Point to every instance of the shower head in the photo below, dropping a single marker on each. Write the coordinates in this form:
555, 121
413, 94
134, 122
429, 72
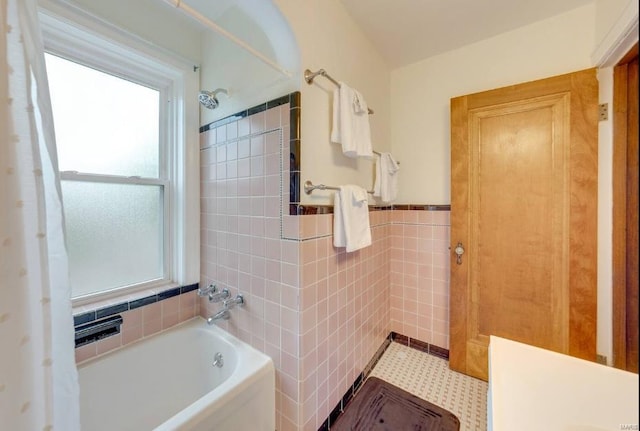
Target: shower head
209, 100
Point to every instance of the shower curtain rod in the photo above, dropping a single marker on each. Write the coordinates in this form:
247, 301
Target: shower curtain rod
309, 76
191, 12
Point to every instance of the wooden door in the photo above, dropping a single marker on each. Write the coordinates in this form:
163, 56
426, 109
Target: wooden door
523, 206
625, 213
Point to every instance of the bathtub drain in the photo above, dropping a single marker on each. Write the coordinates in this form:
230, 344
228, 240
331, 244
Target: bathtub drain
217, 360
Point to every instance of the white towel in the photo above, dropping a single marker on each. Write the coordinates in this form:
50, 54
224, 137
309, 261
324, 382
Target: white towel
351, 218
359, 105
386, 184
351, 122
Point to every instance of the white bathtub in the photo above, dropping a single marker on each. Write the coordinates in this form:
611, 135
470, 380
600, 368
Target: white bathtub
169, 382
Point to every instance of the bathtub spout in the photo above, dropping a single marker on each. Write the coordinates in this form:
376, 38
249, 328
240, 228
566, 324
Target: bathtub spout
227, 304
220, 315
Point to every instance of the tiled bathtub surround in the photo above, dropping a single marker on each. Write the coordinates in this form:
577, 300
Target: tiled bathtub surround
318, 312
242, 199
142, 317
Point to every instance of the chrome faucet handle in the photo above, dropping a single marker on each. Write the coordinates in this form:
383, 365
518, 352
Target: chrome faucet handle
230, 303
216, 296
212, 288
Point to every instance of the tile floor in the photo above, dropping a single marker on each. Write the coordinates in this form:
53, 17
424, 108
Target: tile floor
430, 378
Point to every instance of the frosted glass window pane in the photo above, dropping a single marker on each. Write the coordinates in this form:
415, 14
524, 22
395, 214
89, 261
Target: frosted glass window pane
103, 124
114, 234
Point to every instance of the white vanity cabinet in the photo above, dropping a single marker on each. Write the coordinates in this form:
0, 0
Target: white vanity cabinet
536, 389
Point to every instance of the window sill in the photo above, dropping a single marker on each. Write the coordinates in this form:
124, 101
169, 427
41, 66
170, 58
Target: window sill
103, 308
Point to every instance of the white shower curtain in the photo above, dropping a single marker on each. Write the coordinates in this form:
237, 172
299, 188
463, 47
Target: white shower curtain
38, 376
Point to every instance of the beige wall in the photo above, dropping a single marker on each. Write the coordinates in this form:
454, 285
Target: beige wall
328, 38
420, 92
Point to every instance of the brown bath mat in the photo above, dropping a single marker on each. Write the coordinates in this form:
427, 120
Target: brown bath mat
380, 406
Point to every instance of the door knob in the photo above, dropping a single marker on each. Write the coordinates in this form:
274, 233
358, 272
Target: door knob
459, 251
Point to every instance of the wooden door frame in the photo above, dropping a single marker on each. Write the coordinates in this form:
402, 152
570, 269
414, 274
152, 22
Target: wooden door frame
619, 213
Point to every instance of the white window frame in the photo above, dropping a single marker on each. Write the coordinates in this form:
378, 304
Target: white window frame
78, 36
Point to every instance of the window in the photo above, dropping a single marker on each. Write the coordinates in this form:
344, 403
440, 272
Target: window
114, 181
120, 126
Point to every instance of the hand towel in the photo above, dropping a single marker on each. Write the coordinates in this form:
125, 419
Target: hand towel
351, 122
386, 183
351, 218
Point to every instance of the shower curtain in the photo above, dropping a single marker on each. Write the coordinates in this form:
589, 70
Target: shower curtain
38, 376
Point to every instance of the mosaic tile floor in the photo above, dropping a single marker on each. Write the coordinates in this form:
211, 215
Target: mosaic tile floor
430, 378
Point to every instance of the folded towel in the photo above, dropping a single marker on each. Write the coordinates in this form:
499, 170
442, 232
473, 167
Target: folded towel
386, 184
351, 122
351, 218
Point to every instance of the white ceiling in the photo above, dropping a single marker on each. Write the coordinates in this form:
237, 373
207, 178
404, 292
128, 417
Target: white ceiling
406, 31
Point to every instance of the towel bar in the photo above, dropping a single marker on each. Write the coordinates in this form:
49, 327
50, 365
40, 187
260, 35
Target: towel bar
309, 76
309, 187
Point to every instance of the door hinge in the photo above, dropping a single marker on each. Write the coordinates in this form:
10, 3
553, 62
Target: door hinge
603, 111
